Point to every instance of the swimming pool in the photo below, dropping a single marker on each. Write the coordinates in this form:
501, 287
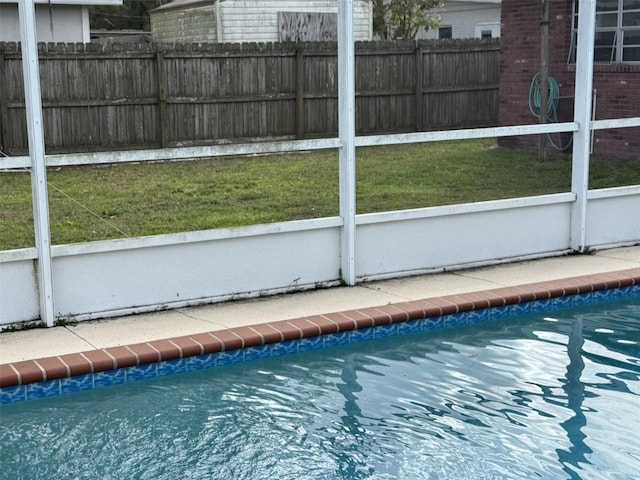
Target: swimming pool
546, 395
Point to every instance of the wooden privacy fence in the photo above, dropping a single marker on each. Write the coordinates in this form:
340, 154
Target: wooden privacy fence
122, 96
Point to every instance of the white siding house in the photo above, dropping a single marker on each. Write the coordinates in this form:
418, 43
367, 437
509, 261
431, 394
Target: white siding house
467, 19
56, 20
185, 21
239, 21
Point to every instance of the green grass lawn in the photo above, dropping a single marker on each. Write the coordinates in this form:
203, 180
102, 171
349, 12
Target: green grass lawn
103, 202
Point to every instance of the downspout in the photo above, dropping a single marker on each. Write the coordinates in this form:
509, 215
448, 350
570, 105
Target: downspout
86, 26
219, 23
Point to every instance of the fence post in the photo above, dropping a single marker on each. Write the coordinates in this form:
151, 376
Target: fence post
35, 130
300, 93
419, 57
347, 133
582, 116
162, 99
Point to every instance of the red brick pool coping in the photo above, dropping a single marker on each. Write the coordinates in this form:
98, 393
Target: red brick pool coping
62, 366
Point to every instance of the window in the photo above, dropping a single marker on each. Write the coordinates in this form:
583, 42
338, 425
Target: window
617, 36
487, 30
445, 32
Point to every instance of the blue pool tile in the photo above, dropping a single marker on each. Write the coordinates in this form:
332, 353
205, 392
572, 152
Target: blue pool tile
285, 348
616, 293
335, 339
362, 334
561, 302
77, 383
109, 377
410, 326
142, 372
257, 352
457, 319
229, 357
480, 315
603, 295
583, 299
540, 306
168, 367
432, 323
466, 318
623, 292
612, 294
47, 388
384, 331
503, 311
8, 395
200, 362
523, 308
311, 343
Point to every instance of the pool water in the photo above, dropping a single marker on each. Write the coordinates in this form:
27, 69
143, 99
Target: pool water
549, 396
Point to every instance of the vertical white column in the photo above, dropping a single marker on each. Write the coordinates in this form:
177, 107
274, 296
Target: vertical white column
582, 116
35, 130
347, 133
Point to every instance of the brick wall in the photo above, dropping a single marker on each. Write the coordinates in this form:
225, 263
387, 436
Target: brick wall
617, 86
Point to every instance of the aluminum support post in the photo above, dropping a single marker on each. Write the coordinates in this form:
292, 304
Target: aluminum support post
347, 133
35, 130
582, 116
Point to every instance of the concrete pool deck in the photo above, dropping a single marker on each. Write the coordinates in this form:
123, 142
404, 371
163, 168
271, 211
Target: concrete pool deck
132, 340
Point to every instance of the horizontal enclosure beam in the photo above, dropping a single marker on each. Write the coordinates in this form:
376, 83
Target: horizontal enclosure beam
18, 255
302, 145
464, 208
464, 134
615, 123
183, 153
15, 162
184, 238
613, 192
257, 148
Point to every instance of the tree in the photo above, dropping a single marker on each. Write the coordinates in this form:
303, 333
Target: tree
131, 15
402, 19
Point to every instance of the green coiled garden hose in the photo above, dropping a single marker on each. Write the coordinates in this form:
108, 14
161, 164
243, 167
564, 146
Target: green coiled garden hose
553, 99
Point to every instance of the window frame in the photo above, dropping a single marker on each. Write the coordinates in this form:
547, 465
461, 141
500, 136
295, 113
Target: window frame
448, 29
610, 37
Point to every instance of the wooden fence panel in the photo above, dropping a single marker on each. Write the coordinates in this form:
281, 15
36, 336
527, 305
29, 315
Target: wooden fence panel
458, 87
105, 97
320, 93
386, 83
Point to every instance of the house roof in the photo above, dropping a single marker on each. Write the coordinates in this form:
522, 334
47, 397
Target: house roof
183, 4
